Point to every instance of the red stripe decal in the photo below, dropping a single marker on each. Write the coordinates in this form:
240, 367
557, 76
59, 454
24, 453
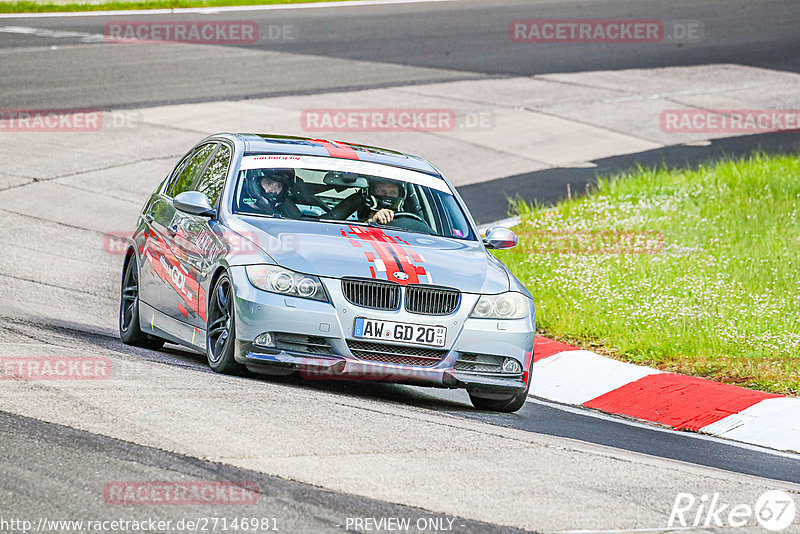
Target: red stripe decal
392, 255
681, 402
352, 241
414, 256
543, 348
183, 310
395, 260
337, 151
184, 283
399, 257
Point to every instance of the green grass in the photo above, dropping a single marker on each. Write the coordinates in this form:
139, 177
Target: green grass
27, 6
691, 271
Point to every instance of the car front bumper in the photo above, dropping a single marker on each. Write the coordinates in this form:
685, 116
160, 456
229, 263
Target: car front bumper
331, 324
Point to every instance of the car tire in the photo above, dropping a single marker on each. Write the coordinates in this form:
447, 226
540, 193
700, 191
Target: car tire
130, 332
221, 331
506, 405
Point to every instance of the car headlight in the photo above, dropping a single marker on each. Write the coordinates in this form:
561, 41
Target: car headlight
285, 282
509, 305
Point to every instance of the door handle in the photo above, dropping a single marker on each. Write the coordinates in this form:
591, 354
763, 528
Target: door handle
172, 229
149, 217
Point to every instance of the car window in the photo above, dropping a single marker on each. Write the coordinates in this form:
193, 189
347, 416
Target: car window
176, 171
189, 174
330, 195
213, 179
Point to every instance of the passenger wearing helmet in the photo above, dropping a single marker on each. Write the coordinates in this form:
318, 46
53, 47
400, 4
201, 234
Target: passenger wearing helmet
266, 191
383, 199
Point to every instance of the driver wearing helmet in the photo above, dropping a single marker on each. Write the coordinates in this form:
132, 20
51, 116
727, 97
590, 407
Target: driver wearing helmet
383, 199
266, 192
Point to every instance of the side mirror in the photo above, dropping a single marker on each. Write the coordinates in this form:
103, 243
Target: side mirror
194, 203
498, 238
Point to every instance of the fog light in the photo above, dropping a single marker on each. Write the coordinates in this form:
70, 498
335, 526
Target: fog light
263, 340
510, 365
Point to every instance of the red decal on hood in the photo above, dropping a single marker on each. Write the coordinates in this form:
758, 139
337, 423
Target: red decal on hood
389, 259
352, 241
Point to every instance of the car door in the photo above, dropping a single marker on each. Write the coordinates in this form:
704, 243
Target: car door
198, 243
164, 257
151, 281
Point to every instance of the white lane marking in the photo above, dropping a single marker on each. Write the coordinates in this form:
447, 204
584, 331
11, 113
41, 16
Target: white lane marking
213, 10
54, 34
657, 428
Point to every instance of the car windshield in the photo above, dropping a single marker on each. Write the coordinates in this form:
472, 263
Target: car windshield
322, 190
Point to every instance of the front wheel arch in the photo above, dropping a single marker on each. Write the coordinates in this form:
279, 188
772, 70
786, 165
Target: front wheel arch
219, 272
225, 361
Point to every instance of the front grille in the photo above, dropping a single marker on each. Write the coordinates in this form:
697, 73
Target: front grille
397, 354
479, 363
301, 343
369, 294
431, 300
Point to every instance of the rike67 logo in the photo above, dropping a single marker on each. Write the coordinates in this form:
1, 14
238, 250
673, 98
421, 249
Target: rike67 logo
774, 510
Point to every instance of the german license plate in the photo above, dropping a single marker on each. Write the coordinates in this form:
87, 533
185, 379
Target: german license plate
420, 334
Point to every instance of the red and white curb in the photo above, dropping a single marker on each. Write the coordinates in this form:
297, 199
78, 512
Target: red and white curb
568, 375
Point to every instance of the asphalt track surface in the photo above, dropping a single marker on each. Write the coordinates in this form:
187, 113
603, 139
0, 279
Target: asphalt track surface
41, 483
373, 46
488, 200
54, 470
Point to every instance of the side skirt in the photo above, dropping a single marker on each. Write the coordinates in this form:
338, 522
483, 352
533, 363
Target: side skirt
153, 322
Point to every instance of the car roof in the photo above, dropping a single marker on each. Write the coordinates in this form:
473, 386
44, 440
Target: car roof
310, 146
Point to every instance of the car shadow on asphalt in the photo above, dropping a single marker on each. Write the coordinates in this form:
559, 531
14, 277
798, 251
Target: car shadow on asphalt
44, 328
437, 399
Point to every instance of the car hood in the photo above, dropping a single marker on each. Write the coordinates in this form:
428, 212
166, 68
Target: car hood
340, 250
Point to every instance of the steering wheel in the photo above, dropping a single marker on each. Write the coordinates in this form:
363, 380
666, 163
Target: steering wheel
411, 221
410, 216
